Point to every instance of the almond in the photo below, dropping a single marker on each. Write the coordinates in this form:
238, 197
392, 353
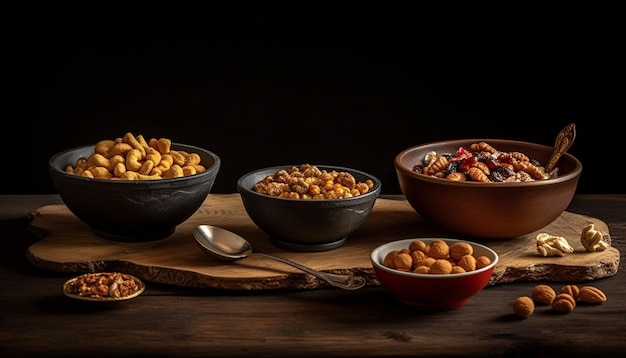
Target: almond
571, 290
563, 303
591, 294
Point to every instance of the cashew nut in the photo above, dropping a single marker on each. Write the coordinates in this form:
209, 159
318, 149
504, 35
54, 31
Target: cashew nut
103, 146
133, 158
178, 156
119, 169
189, 170
163, 145
119, 148
153, 155
166, 162
100, 160
146, 167
101, 173
192, 159
142, 141
130, 139
174, 172
592, 239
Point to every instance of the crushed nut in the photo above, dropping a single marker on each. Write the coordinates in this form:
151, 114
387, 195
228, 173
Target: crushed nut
550, 245
104, 284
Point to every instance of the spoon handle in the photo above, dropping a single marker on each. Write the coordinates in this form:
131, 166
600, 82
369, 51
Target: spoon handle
346, 282
563, 142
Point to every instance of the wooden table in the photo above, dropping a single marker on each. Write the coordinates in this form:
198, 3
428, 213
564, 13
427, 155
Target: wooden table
37, 320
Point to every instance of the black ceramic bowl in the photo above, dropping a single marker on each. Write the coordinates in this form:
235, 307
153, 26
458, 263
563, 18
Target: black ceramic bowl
133, 210
307, 225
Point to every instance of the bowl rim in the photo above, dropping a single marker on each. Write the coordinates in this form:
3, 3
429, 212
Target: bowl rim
374, 192
211, 170
377, 252
559, 179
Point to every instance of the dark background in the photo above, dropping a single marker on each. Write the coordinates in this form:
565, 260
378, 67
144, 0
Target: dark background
317, 84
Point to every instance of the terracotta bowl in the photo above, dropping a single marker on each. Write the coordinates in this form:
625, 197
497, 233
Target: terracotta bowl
307, 225
133, 210
496, 210
433, 291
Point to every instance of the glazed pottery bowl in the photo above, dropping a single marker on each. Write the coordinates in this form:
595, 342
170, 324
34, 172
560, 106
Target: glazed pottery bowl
493, 210
429, 291
307, 225
133, 210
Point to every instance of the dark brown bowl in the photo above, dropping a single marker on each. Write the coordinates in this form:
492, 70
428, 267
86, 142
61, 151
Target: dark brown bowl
488, 210
133, 210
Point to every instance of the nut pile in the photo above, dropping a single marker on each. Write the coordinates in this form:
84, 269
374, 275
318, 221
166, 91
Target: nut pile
135, 158
101, 285
483, 163
563, 301
310, 182
437, 257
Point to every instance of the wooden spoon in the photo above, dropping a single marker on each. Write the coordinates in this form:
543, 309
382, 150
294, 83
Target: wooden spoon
564, 141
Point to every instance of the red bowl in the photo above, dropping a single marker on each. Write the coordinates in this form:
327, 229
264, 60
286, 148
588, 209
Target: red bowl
431, 291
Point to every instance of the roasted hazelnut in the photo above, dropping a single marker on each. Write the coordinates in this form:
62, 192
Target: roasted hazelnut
439, 249
441, 267
460, 249
482, 261
543, 294
523, 306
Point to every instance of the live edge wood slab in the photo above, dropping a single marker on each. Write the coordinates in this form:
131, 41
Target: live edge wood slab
68, 245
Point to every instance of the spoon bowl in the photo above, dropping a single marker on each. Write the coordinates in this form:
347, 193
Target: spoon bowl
225, 245
222, 244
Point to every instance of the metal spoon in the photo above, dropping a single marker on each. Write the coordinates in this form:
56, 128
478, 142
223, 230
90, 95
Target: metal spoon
226, 245
563, 142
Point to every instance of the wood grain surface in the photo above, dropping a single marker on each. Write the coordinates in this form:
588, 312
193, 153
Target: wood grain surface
68, 245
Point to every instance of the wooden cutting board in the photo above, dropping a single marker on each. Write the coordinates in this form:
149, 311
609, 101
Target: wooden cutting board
68, 245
